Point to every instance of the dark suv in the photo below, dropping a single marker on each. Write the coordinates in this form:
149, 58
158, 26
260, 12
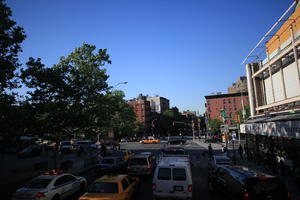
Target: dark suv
239, 182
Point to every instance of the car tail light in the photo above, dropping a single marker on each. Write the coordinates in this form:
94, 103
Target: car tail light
153, 187
246, 195
39, 195
289, 195
13, 194
149, 167
128, 167
190, 188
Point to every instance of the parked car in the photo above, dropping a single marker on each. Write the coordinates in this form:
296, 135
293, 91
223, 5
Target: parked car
217, 160
29, 152
173, 179
141, 165
117, 187
110, 164
52, 185
239, 182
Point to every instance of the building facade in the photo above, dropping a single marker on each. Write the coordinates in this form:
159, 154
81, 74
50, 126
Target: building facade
239, 86
273, 80
141, 109
158, 104
228, 103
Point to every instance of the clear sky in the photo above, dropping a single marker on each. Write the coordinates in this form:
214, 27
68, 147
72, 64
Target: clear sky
178, 49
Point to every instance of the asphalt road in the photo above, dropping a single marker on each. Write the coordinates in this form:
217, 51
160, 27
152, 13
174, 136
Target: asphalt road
199, 171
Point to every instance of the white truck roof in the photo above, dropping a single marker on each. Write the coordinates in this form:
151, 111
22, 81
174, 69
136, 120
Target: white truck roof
173, 161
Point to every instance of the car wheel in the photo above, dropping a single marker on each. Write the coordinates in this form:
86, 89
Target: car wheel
56, 197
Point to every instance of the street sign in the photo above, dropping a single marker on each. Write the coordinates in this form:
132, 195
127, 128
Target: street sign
223, 113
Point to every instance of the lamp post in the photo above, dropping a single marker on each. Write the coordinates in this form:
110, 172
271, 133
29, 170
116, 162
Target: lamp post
125, 82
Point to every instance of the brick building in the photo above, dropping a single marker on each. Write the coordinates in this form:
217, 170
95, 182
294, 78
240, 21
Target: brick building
141, 109
231, 103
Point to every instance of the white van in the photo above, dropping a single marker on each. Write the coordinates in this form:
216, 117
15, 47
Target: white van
173, 179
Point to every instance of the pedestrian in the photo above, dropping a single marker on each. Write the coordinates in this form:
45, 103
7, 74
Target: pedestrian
241, 151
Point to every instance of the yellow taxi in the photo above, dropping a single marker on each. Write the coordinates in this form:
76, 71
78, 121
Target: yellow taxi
117, 187
150, 140
125, 154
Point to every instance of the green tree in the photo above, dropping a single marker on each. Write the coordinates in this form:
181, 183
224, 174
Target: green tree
240, 114
214, 126
67, 97
11, 37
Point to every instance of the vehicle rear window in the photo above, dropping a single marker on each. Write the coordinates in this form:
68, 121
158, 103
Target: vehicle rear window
38, 183
164, 174
179, 174
263, 185
175, 152
138, 161
103, 187
107, 161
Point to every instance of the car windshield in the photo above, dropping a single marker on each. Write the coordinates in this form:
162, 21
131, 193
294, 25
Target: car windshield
164, 174
138, 161
179, 174
38, 183
103, 187
107, 161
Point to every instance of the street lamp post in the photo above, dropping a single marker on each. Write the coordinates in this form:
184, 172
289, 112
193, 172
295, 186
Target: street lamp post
125, 82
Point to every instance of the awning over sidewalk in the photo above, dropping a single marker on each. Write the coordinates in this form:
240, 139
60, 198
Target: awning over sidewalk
281, 126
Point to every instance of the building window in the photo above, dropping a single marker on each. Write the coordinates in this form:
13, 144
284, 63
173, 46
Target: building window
224, 108
208, 103
234, 107
229, 108
229, 101
233, 100
224, 101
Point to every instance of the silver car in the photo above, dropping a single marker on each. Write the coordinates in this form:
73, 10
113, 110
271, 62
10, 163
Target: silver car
51, 186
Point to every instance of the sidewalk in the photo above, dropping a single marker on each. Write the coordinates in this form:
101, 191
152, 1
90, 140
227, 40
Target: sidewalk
289, 182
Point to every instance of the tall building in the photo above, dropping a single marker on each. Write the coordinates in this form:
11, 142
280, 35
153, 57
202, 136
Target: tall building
228, 103
141, 109
274, 94
239, 86
158, 104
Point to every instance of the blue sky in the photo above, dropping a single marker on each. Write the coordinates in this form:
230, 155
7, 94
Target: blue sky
178, 49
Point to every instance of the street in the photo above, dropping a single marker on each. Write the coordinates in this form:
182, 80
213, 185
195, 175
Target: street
199, 171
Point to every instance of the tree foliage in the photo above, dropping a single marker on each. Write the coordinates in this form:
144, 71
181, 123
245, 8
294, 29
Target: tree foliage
214, 126
70, 95
11, 37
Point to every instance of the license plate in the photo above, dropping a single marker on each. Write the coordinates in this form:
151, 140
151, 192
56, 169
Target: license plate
178, 188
